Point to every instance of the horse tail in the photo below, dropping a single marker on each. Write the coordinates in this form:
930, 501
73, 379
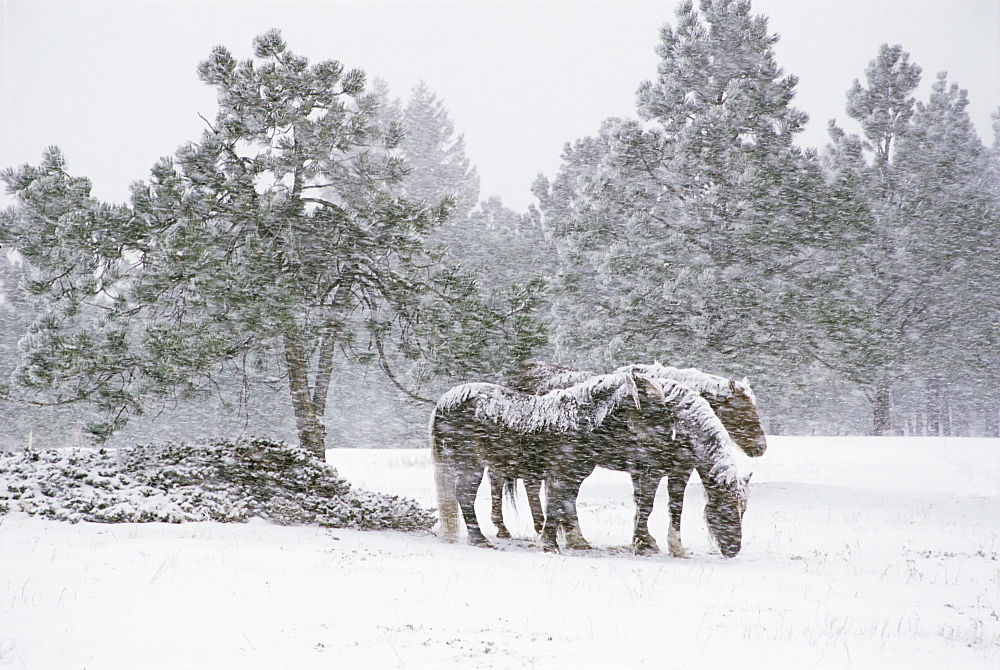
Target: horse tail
510, 492
444, 479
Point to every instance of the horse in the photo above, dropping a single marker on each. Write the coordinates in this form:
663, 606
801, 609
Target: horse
516, 435
620, 421
732, 401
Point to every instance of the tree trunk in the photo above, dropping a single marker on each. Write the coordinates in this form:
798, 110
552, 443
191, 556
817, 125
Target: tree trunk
933, 397
308, 422
881, 404
324, 369
946, 422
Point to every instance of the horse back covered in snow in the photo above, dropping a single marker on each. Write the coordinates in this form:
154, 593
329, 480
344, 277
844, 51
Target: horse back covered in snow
624, 421
581, 406
732, 400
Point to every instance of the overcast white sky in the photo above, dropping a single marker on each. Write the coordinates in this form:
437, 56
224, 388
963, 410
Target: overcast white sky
114, 84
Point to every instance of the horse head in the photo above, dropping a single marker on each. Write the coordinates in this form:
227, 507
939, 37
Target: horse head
724, 514
739, 414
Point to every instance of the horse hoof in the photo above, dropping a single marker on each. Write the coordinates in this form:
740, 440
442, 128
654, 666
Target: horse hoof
503, 534
482, 543
645, 548
576, 540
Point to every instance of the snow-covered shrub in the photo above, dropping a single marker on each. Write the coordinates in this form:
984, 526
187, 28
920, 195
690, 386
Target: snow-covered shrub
214, 481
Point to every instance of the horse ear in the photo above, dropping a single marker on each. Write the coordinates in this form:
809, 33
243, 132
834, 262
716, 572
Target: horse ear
746, 480
741, 385
634, 390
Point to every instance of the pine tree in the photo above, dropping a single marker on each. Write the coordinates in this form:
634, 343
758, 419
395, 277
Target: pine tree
271, 246
885, 106
587, 332
989, 402
680, 229
954, 249
912, 303
865, 335
494, 247
438, 165
78, 251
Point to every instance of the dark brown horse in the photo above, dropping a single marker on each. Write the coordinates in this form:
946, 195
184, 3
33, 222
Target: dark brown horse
732, 401
624, 421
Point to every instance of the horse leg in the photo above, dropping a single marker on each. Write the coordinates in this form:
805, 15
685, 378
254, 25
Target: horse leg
560, 510
466, 489
571, 522
533, 487
555, 513
676, 483
496, 504
644, 485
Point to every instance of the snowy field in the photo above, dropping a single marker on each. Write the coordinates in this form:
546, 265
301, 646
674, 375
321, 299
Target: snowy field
858, 553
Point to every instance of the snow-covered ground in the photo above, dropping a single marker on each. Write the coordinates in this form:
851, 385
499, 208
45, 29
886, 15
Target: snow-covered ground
858, 553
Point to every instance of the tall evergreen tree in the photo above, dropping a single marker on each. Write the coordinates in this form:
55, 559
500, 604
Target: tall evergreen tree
885, 105
859, 304
874, 301
679, 229
990, 403
954, 251
436, 155
274, 244
912, 298
490, 243
78, 253
862, 337
481, 236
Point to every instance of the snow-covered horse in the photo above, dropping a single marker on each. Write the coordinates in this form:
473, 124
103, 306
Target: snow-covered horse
624, 421
732, 401
516, 435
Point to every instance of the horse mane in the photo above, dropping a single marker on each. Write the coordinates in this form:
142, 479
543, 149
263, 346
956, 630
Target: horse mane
537, 377
702, 382
457, 395
711, 443
582, 406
